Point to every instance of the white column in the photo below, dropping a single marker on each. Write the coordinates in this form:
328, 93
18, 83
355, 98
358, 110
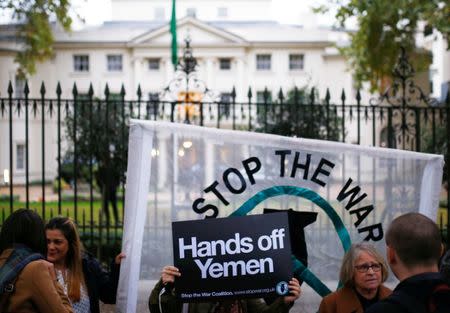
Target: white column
210, 73
169, 70
138, 65
241, 90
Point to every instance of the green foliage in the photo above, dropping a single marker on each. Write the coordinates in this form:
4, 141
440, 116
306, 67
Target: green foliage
35, 30
383, 27
300, 114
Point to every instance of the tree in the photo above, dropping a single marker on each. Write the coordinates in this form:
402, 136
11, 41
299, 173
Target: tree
299, 114
97, 131
35, 29
383, 27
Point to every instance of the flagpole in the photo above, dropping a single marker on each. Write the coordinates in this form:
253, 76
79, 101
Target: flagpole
173, 31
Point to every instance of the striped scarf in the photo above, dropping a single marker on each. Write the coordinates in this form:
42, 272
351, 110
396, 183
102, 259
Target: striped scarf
19, 258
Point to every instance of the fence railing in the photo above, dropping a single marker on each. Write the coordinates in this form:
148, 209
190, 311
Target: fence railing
63, 156
68, 156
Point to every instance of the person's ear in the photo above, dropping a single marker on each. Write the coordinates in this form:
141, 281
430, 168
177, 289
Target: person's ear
391, 256
442, 249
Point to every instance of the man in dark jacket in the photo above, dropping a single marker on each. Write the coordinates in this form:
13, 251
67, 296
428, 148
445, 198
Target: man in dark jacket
413, 252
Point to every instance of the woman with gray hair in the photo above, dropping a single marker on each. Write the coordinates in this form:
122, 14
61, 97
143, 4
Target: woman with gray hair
363, 271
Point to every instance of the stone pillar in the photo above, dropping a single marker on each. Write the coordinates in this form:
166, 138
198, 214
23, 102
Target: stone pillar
241, 89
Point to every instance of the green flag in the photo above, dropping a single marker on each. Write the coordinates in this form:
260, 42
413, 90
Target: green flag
173, 31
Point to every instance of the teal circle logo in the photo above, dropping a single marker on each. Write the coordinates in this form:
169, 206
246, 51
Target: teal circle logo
298, 267
282, 288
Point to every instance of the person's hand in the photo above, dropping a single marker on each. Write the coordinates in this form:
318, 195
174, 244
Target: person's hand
294, 291
169, 273
119, 257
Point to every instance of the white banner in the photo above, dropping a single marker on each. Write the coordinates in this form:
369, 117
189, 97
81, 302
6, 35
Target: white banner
179, 172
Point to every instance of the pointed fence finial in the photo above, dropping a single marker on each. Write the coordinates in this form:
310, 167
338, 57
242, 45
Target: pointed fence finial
122, 91
74, 90
106, 91
91, 91
343, 95
42, 89
10, 88
58, 89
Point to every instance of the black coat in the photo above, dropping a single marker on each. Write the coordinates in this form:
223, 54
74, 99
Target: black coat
101, 285
412, 295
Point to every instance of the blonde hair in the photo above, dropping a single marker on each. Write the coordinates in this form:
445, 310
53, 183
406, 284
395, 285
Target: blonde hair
347, 273
73, 259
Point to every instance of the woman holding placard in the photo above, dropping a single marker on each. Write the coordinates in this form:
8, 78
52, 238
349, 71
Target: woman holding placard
163, 299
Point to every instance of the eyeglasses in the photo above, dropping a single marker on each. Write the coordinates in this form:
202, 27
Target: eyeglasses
363, 268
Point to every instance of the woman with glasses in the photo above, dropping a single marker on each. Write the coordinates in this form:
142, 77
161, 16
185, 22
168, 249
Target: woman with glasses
362, 273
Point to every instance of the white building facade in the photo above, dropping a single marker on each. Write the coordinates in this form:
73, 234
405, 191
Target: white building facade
235, 43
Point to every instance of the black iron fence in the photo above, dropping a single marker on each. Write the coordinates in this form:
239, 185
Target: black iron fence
68, 156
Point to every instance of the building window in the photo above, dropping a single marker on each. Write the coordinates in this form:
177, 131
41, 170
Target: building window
222, 12
192, 12
153, 96
260, 96
81, 63
153, 64
160, 14
225, 64
114, 62
296, 62
263, 62
152, 104
19, 84
20, 156
225, 103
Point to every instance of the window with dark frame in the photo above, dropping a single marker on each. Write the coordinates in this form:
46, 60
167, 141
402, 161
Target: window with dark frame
153, 96
263, 62
152, 104
296, 62
225, 103
153, 64
81, 63
114, 62
192, 12
225, 63
19, 87
20, 156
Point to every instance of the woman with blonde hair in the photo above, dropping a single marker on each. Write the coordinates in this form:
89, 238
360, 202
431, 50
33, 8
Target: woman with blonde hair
84, 280
363, 272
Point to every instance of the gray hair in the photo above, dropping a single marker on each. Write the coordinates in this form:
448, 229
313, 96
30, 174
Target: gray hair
348, 262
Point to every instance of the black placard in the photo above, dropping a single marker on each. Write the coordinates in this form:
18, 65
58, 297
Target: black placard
234, 257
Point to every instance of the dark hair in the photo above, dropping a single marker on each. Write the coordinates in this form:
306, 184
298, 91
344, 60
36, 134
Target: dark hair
74, 255
24, 227
416, 239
